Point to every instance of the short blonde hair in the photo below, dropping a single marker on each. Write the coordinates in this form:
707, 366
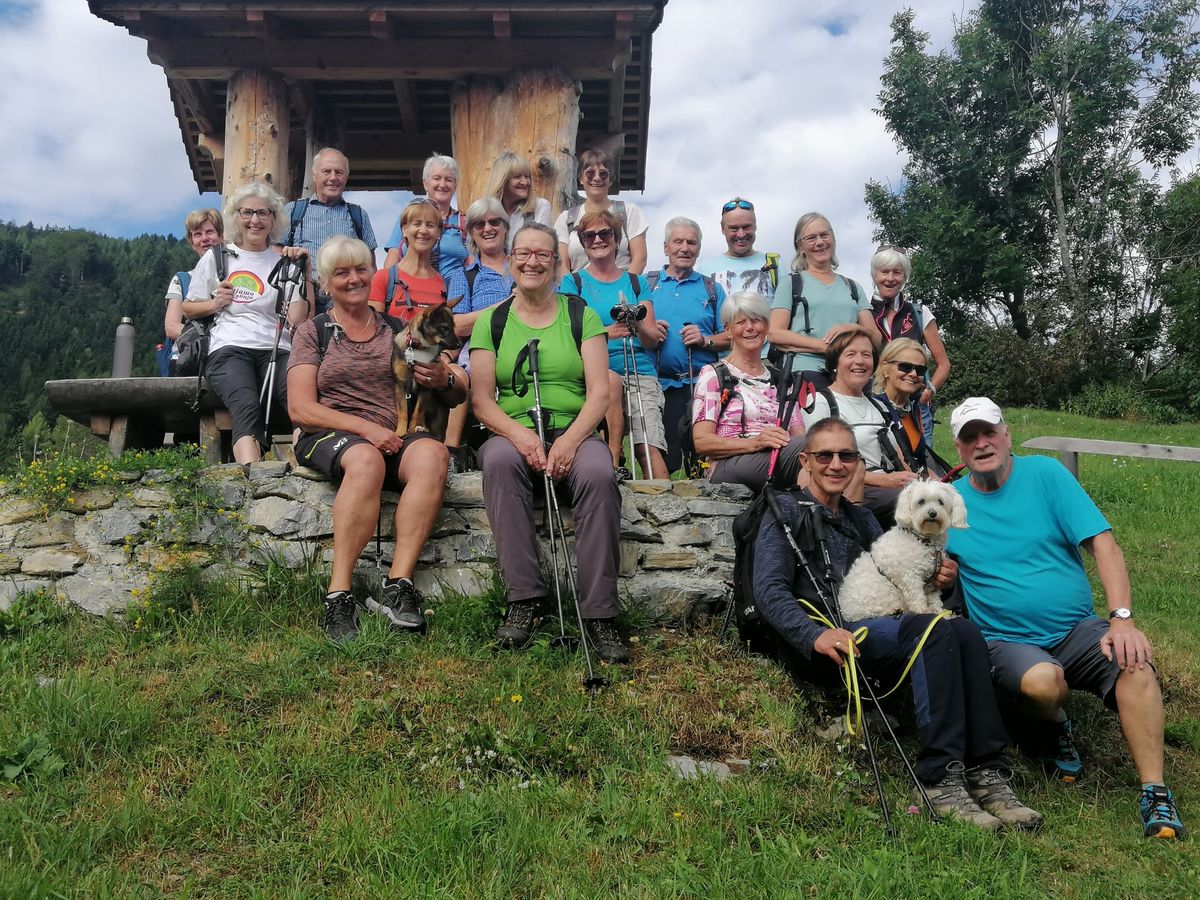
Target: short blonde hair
342, 250
197, 217
264, 192
888, 357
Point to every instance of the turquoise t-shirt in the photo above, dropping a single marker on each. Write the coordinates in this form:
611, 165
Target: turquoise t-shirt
560, 367
828, 305
1018, 558
602, 297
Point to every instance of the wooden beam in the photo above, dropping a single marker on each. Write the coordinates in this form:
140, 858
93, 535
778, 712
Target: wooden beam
256, 131
406, 104
382, 26
198, 98
374, 60
502, 24
213, 146
389, 146
623, 25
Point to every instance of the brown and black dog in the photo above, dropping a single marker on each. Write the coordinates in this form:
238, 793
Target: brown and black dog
430, 332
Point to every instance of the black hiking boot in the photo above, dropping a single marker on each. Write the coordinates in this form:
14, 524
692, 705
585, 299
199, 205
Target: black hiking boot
606, 640
400, 604
521, 619
340, 619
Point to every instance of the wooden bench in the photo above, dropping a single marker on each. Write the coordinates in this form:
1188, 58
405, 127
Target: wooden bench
1069, 449
138, 413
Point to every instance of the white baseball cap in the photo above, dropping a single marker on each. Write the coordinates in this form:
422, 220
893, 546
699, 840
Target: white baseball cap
975, 409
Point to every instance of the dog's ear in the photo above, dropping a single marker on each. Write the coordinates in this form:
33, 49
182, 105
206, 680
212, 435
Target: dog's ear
450, 304
958, 509
906, 503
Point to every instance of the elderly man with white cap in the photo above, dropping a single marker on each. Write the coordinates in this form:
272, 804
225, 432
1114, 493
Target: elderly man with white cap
1023, 579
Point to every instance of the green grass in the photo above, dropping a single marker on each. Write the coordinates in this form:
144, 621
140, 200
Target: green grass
225, 749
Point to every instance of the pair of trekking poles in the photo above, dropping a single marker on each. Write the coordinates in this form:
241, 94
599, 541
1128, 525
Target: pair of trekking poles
629, 316
791, 387
287, 274
556, 535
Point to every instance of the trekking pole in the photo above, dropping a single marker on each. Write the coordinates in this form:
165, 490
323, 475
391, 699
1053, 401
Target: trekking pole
833, 607
592, 682
691, 371
284, 278
647, 473
629, 316
539, 423
786, 406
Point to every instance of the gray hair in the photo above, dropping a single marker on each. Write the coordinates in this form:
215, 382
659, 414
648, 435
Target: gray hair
438, 161
750, 304
264, 192
682, 222
799, 263
891, 258
484, 208
317, 157
342, 250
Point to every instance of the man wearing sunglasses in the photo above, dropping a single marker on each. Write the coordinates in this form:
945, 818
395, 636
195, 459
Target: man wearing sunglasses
1025, 585
961, 760
741, 267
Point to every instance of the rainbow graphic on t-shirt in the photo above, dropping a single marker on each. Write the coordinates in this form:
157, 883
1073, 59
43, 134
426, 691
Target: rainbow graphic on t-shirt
247, 287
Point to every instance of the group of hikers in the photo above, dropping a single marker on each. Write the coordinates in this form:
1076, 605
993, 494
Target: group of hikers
788, 378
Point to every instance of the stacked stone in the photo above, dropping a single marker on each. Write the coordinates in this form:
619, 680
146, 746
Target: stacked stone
676, 538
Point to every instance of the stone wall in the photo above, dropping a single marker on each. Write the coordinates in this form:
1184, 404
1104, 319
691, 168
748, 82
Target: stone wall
676, 537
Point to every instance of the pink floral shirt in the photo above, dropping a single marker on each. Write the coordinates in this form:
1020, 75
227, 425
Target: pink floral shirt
754, 402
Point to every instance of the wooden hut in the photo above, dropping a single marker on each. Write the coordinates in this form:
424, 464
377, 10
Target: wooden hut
258, 87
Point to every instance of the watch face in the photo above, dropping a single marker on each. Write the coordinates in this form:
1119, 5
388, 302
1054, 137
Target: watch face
1121, 613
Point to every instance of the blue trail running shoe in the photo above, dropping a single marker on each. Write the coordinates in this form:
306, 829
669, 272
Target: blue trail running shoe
1068, 767
1160, 818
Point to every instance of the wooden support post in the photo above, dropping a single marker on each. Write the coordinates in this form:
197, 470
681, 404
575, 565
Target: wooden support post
256, 131
533, 112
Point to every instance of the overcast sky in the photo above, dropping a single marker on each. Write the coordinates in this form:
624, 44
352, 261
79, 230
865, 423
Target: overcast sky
770, 99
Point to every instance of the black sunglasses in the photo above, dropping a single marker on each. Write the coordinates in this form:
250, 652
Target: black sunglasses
605, 234
907, 367
825, 457
737, 204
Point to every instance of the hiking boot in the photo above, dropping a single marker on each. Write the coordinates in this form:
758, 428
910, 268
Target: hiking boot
990, 789
1066, 765
1160, 818
606, 640
340, 619
400, 603
521, 619
622, 474
951, 799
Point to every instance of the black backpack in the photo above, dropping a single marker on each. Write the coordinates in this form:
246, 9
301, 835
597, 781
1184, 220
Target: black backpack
752, 629
190, 354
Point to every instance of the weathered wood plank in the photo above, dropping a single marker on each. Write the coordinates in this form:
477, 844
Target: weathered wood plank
1114, 448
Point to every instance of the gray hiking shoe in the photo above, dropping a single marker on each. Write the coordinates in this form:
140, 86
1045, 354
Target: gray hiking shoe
400, 604
521, 619
951, 799
340, 619
991, 790
606, 640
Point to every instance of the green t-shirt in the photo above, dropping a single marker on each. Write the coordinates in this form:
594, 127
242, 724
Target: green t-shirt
560, 367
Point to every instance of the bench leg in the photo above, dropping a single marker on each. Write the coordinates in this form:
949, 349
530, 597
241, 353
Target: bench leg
119, 435
210, 439
1070, 459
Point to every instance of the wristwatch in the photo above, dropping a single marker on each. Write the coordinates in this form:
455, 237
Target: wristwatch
708, 343
1121, 612
449, 381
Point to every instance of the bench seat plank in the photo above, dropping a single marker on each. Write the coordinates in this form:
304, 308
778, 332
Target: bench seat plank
1070, 448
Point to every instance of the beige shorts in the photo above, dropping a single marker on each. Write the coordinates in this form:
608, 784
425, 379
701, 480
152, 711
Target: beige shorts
653, 401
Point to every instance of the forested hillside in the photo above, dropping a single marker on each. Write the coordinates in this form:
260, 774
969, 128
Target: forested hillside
62, 293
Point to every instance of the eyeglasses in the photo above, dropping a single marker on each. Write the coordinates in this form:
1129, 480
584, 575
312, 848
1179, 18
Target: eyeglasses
813, 238
825, 457
737, 204
907, 368
543, 256
480, 224
605, 234
248, 214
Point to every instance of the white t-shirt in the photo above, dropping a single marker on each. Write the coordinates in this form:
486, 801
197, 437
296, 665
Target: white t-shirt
637, 226
250, 320
861, 415
740, 273
542, 214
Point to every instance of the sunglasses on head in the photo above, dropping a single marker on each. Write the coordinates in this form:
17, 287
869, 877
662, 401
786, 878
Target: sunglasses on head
605, 234
737, 204
825, 457
907, 367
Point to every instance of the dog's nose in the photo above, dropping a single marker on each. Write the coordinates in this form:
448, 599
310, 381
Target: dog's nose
931, 513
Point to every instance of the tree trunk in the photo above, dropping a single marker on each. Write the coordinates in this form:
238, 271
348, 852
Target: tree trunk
534, 113
256, 131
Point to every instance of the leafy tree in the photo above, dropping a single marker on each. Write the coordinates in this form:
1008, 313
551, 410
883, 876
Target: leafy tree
1024, 196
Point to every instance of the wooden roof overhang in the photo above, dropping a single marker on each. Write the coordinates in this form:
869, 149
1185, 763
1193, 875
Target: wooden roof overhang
375, 78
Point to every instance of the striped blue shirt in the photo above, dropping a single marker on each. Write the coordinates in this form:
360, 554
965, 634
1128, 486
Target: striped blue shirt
490, 288
321, 222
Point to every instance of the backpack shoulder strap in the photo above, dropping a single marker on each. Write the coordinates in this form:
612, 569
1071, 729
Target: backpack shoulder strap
573, 218
578, 279
324, 326
853, 288
576, 307
185, 281
471, 275
636, 284
499, 320
833, 404
623, 215
356, 218
798, 300
772, 268
652, 280
299, 208
221, 258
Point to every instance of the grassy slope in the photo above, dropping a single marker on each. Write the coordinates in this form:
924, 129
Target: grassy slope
230, 751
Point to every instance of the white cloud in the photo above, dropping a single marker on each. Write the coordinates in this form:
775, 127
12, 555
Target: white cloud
770, 99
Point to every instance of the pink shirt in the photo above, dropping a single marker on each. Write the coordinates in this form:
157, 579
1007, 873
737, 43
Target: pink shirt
754, 401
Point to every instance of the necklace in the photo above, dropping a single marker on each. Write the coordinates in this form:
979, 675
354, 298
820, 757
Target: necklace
363, 335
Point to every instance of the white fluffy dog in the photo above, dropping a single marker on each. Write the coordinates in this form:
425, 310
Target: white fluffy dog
895, 575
